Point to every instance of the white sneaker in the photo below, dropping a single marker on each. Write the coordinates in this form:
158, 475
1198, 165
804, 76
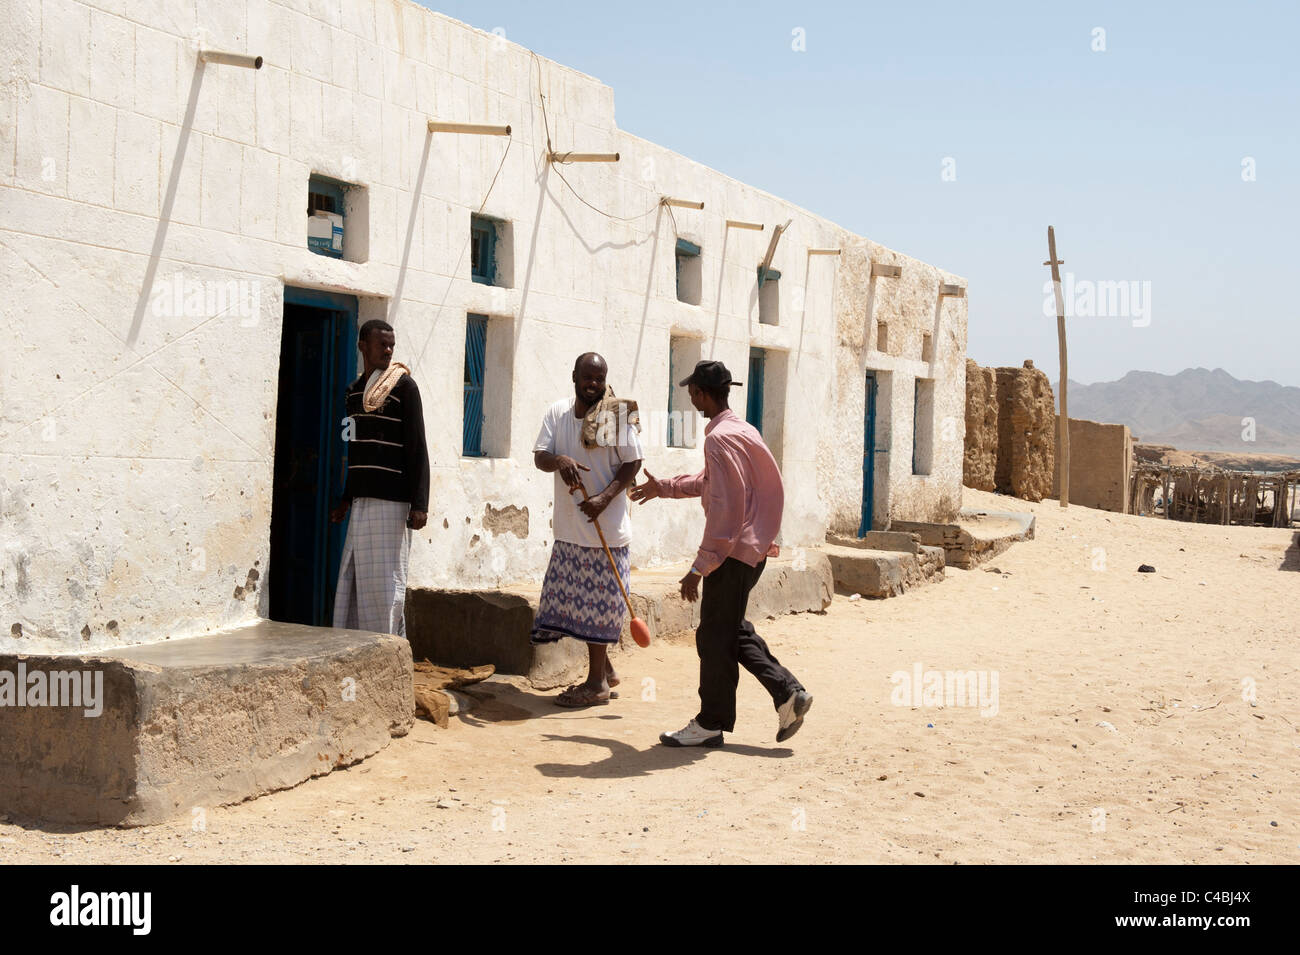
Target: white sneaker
692, 734
790, 714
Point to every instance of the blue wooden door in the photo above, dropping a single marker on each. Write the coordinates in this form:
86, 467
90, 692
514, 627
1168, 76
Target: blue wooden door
868, 455
318, 359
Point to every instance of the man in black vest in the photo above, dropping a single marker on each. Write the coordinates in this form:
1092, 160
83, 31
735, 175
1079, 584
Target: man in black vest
387, 489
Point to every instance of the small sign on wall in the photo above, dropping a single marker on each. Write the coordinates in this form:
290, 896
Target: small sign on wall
325, 233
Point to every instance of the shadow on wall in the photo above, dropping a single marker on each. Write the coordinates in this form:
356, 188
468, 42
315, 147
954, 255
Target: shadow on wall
164, 217
803, 311
1291, 559
649, 292
543, 176
722, 280
410, 234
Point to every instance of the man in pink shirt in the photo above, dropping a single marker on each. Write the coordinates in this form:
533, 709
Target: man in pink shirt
740, 488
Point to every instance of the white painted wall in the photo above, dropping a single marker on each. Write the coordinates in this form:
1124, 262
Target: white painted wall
136, 465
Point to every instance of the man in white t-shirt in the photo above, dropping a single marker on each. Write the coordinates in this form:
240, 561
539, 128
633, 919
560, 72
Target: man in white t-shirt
580, 595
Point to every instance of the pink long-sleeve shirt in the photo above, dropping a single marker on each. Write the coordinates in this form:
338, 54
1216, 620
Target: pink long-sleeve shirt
741, 491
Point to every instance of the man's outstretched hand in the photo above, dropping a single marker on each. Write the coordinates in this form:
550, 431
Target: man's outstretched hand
647, 491
691, 587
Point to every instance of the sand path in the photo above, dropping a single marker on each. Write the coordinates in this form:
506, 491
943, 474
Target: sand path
1121, 735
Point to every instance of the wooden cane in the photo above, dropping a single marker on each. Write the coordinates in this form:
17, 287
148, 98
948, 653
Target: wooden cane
640, 632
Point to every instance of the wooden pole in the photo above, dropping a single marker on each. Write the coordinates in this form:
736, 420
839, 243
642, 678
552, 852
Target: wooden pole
1063, 429
582, 157
246, 60
771, 251
474, 129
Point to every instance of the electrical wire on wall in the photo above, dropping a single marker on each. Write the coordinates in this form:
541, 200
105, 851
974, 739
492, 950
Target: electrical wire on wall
509, 142
546, 123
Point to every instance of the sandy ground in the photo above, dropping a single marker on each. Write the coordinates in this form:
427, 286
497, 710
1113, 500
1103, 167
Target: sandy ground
1121, 735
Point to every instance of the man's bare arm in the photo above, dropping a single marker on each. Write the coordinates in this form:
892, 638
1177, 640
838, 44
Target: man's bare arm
623, 477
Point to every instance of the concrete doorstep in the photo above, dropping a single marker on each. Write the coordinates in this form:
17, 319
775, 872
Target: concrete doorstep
142, 734
977, 536
883, 563
465, 628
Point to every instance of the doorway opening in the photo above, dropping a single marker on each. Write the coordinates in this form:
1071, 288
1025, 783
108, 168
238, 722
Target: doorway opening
318, 360
869, 450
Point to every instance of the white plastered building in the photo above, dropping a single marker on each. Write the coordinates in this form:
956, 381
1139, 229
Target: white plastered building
158, 286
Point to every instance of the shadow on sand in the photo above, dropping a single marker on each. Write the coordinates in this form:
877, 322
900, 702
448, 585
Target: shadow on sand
625, 760
505, 703
1291, 559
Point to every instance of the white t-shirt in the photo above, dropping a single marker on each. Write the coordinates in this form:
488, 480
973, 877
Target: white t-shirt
562, 434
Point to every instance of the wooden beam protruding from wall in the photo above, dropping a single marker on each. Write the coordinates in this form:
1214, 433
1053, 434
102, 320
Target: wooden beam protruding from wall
477, 129
582, 157
231, 59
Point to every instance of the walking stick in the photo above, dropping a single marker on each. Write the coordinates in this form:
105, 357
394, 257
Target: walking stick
640, 632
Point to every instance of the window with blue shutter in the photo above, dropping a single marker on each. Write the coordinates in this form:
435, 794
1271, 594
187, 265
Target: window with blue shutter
475, 362
754, 401
483, 250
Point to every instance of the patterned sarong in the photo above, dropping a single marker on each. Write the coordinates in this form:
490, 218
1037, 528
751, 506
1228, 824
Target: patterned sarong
372, 576
580, 597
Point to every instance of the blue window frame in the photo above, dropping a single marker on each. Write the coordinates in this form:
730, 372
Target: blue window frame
475, 360
754, 401
483, 250
916, 422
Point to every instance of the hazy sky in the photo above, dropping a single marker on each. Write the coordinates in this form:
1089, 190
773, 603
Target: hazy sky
1137, 153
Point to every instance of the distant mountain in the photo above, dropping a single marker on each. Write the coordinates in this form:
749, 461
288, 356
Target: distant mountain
1194, 410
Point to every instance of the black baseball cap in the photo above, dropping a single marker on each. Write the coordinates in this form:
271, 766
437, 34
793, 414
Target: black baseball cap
710, 375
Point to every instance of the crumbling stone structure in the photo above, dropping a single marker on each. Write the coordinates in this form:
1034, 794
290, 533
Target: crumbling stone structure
981, 457
1010, 428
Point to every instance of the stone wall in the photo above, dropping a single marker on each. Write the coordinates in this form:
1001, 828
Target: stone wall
1101, 465
1010, 431
1026, 432
980, 462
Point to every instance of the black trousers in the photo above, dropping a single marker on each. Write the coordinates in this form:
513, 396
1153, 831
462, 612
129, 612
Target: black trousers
726, 641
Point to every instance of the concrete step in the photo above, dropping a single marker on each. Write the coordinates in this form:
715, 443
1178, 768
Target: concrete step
465, 628
976, 536
874, 572
194, 723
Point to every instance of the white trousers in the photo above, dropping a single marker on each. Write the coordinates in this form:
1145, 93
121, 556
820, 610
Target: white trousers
371, 593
